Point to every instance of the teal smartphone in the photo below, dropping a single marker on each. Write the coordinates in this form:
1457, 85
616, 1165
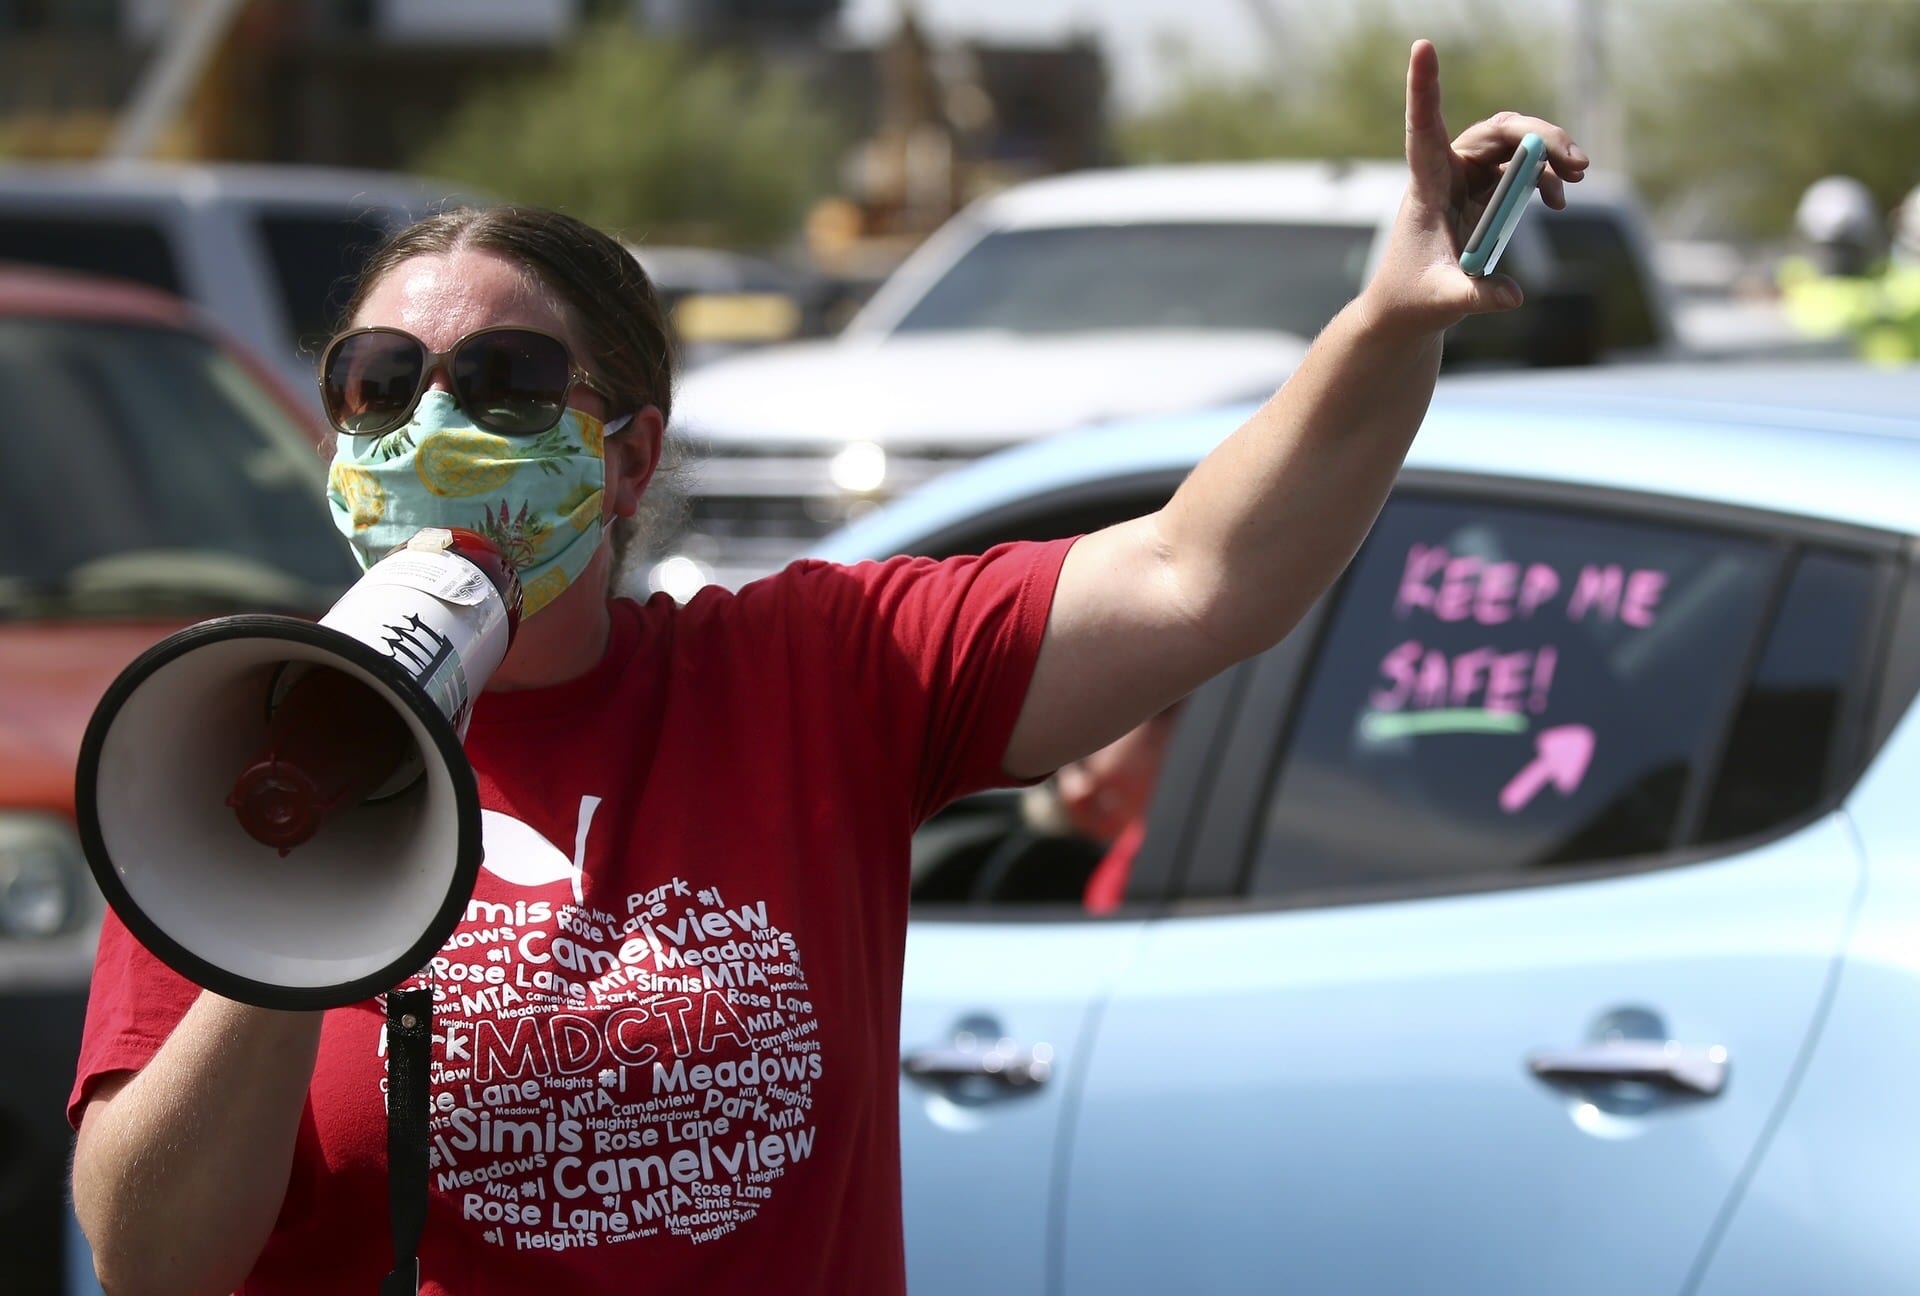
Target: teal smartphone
1504, 209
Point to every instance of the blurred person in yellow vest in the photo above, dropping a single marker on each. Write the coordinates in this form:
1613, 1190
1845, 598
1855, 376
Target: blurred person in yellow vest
1843, 282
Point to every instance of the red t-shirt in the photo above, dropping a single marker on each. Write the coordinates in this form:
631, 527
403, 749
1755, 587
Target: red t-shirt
675, 1066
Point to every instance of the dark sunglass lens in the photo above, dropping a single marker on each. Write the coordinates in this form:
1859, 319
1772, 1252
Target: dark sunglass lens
370, 380
512, 381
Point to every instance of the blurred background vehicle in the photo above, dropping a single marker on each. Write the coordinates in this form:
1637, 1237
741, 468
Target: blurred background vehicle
268, 252
1072, 301
152, 474
1726, 303
1542, 903
722, 302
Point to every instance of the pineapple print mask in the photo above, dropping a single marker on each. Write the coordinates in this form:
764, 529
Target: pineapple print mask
537, 497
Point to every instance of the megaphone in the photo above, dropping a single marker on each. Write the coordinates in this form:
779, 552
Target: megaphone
282, 811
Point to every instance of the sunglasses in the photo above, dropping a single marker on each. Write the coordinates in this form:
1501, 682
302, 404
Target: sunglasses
510, 380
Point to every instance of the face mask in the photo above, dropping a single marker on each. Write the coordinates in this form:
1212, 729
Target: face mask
538, 497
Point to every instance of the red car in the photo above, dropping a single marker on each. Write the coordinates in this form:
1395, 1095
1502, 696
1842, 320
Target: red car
152, 474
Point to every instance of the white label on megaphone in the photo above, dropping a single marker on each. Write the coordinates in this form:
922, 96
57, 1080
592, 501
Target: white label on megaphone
438, 616
456, 581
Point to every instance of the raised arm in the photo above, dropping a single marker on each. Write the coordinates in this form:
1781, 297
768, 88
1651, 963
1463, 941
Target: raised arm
1147, 610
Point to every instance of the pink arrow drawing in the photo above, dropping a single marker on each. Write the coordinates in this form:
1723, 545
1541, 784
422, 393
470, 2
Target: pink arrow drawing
1561, 757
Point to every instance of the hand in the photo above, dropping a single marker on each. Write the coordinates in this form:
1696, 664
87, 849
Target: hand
1419, 283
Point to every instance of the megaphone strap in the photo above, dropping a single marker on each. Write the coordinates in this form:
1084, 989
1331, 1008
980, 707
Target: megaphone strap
409, 1085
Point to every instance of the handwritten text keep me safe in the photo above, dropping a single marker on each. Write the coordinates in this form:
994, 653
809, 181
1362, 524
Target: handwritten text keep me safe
1463, 588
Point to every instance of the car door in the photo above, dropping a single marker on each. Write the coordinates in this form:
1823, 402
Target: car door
1508, 918
992, 1031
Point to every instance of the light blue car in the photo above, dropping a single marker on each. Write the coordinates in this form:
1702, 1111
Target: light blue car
1542, 916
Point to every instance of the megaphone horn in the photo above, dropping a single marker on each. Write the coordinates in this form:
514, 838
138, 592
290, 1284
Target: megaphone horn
282, 811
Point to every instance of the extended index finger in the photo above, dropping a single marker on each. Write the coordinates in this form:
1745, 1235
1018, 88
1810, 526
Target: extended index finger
1428, 155
1491, 142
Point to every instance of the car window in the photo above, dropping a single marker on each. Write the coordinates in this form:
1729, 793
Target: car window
1173, 276
1596, 255
144, 470
1501, 688
1778, 762
127, 248
315, 259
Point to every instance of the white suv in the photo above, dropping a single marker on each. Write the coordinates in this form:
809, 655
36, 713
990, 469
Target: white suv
267, 252
1078, 299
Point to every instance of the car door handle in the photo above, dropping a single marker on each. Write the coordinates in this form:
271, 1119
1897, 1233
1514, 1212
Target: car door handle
1667, 1064
1003, 1062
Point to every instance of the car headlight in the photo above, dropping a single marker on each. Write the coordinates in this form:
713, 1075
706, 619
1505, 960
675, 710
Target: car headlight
42, 876
860, 468
681, 576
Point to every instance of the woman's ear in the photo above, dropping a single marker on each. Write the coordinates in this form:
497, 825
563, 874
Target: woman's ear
632, 455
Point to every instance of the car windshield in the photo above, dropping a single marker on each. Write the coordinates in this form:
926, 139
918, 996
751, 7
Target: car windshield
1179, 276
144, 471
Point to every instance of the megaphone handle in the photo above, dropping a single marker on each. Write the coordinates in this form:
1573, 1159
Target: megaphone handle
409, 1085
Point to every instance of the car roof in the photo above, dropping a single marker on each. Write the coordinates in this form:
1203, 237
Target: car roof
199, 183
36, 290
1838, 441
1849, 395
1358, 192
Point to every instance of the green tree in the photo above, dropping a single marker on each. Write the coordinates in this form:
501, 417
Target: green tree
653, 139
1342, 93
1738, 105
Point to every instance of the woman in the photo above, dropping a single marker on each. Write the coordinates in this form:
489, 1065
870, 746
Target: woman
666, 1032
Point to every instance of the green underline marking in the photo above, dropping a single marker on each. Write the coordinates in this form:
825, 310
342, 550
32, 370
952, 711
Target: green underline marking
1378, 726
